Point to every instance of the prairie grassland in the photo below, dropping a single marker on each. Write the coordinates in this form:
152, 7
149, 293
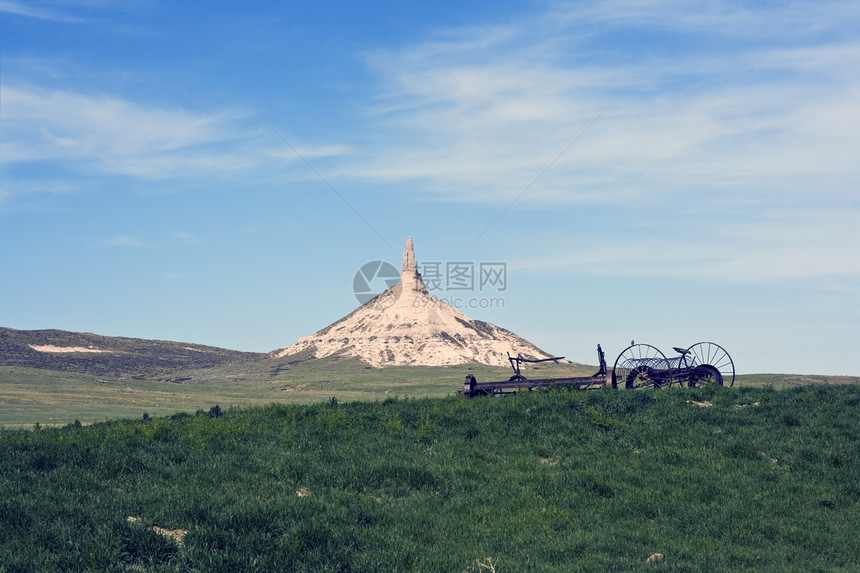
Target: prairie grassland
29, 395
712, 479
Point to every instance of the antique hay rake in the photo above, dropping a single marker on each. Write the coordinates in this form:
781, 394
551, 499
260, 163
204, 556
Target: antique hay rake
638, 366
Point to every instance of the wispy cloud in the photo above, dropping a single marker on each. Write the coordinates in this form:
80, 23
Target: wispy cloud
185, 238
784, 245
122, 241
774, 20
33, 10
96, 134
748, 110
760, 135
472, 129
112, 134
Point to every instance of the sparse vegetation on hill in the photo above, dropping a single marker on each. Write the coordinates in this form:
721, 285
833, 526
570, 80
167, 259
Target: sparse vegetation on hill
108, 356
712, 479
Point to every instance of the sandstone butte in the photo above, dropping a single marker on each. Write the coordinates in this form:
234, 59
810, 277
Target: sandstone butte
406, 325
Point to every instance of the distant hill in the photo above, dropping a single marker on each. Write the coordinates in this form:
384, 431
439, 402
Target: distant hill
109, 355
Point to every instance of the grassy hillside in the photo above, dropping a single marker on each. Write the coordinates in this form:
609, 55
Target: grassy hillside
711, 479
116, 357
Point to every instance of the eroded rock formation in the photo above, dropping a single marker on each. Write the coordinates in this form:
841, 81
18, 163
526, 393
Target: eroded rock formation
406, 325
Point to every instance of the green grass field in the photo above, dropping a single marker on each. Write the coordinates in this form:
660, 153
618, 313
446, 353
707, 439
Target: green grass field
713, 479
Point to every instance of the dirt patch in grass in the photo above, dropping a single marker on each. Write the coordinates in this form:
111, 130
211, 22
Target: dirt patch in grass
177, 535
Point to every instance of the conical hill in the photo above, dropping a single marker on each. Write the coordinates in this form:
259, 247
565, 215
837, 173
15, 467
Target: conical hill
405, 325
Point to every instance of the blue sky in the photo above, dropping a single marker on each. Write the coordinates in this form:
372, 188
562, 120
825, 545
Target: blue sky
216, 173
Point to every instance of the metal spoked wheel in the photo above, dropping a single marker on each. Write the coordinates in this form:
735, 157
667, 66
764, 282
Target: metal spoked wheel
640, 366
708, 363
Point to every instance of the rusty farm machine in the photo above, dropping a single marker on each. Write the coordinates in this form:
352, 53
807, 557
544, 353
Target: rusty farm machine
638, 366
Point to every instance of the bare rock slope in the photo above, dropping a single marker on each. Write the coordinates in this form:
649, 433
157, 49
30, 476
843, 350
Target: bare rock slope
405, 325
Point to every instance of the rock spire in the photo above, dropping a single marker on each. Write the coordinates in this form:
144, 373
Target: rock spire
410, 278
409, 264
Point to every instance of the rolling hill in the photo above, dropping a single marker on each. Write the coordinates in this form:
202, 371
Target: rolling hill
116, 357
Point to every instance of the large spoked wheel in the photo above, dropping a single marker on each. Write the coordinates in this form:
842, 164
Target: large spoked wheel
640, 366
707, 364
